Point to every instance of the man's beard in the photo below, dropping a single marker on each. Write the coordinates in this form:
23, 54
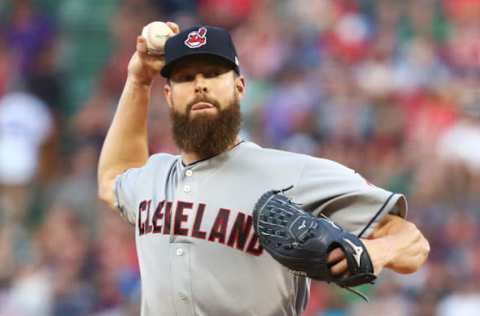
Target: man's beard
204, 134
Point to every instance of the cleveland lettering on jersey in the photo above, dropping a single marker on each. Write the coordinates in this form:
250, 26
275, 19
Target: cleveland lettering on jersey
241, 235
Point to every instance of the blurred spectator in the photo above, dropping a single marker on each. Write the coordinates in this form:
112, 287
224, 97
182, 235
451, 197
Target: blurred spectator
79, 186
45, 79
263, 48
464, 42
288, 110
27, 32
419, 68
118, 274
465, 302
226, 13
25, 124
30, 295
64, 244
459, 144
350, 35
7, 62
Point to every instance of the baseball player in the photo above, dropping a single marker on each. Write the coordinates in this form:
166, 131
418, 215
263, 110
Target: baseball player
193, 213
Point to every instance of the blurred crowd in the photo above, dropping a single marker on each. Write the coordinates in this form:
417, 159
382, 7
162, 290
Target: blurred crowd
389, 88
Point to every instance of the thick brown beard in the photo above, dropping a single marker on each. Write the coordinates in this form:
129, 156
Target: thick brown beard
207, 135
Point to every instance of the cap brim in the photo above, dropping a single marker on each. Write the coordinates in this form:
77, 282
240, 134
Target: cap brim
167, 69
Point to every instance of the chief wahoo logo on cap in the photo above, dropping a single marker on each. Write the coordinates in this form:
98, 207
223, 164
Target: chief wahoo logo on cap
197, 38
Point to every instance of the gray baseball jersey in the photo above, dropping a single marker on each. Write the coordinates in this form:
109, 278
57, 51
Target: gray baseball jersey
196, 246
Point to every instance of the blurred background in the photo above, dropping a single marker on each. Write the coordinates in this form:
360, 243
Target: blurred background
389, 88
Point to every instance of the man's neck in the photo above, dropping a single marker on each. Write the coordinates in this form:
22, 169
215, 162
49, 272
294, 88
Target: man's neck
189, 158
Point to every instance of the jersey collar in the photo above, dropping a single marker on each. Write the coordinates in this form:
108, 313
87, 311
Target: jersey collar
209, 159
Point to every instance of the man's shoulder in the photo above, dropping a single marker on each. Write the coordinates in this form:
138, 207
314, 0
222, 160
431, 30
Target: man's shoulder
253, 149
159, 161
256, 156
155, 163
162, 157
277, 158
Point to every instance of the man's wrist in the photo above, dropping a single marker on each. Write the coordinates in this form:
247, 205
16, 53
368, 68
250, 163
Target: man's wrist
380, 251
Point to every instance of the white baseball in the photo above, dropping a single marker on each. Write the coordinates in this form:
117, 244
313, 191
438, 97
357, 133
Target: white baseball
156, 34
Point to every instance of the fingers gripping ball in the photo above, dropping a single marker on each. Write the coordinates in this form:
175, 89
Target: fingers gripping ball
156, 34
302, 242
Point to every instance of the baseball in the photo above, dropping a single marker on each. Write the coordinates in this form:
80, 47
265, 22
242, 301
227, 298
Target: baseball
156, 34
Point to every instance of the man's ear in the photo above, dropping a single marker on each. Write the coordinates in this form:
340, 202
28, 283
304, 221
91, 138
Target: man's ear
167, 92
240, 86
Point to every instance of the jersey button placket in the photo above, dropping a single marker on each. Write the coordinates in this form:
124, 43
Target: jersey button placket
188, 184
181, 279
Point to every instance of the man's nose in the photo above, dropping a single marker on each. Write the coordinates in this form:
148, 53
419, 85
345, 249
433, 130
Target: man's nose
200, 84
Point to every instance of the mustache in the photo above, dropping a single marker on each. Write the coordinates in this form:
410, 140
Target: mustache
207, 99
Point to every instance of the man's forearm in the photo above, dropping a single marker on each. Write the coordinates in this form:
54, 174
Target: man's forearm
126, 144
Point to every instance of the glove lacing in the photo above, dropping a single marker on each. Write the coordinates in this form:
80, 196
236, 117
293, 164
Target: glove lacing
300, 273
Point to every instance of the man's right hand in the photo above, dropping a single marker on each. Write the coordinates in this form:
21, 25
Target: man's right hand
143, 67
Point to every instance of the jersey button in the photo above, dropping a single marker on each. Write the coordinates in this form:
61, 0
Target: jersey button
188, 173
179, 252
186, 188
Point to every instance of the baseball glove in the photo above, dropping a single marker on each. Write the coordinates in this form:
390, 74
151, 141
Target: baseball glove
302, 242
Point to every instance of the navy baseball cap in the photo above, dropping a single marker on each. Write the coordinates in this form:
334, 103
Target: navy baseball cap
200, 40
